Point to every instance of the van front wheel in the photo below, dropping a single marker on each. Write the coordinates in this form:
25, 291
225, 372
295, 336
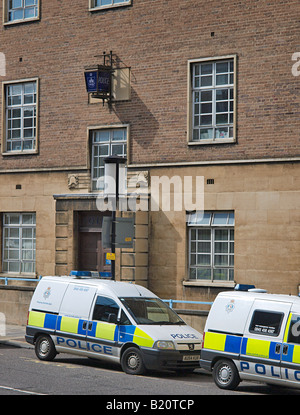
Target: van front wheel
225, 374
132, 362
44, 348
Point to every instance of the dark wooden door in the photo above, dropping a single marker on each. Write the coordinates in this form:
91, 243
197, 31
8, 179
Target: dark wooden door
91, 255
89, 251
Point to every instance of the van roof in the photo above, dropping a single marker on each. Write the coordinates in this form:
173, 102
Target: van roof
119, 288
262, 296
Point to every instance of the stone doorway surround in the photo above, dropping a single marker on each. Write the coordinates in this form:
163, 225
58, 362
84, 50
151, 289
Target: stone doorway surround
131, 264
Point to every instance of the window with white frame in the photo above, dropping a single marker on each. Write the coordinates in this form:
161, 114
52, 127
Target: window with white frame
106, 142
20, 116
20, 10
98, 4
212, 100
211, 246
19, 238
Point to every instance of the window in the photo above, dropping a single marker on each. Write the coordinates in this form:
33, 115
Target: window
150, 311
212, 97
18, 242
266, 322
104, 307
99, 4
211, 246
20, 117
21, 10
106, 143
294, 330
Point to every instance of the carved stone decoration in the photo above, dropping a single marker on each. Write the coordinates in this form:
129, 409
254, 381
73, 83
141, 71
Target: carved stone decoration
137, 180
73, 181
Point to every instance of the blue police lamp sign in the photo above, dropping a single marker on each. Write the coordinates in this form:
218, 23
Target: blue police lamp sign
98, 81
104, 82
91, 81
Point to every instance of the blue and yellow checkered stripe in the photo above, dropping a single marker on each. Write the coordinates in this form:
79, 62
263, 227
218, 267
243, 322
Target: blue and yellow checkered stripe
293, 354
241, 345
222, 342
98, 330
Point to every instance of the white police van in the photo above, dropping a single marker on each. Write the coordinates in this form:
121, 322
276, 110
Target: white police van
114, 321
254, 336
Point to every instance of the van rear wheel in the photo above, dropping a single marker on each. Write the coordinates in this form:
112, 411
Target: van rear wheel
225, 374
44, 348
132, 362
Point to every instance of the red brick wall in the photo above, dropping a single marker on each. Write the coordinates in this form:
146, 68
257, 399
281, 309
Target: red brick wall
156, 38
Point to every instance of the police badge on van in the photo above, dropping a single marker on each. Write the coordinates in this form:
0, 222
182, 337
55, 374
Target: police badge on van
230, 306
47, 293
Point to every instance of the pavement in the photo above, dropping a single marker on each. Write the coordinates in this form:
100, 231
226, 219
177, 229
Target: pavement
15, 336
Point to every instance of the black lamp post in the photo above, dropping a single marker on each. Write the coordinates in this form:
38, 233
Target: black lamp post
114, 179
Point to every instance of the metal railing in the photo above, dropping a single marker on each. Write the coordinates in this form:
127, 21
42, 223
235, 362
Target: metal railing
171, 302
6, 279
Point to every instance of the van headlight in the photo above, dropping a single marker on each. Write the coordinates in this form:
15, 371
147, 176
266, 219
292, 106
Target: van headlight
164, 345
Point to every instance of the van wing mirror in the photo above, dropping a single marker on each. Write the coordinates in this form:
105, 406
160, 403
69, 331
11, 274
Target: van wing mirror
112, 318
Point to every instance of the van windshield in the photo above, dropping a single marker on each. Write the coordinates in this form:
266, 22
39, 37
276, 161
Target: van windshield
150, 311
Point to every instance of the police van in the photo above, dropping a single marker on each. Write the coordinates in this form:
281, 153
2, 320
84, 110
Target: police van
110, 320
254, 336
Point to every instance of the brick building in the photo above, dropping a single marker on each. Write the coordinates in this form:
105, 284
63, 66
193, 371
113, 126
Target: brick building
199, 89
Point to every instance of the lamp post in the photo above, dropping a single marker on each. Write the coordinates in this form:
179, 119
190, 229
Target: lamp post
114, 185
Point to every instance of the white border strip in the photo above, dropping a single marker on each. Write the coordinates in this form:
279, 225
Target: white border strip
21, 390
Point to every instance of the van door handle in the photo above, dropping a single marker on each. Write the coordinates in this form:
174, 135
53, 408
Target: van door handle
90, 325
285, 349
278, 348
84, 325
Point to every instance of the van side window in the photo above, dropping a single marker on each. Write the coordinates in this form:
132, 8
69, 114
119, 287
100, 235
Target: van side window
294, 330
266, 322
104, 307
124, 320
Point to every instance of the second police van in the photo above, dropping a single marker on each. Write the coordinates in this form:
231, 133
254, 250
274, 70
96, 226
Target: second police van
110, 320
253, 336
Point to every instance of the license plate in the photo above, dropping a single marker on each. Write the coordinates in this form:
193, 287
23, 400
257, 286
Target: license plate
191, 358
